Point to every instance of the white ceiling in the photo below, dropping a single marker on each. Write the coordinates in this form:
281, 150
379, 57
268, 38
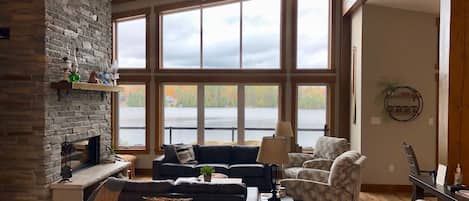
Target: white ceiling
427, 6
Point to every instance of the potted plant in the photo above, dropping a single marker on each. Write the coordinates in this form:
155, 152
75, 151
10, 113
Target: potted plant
207, 171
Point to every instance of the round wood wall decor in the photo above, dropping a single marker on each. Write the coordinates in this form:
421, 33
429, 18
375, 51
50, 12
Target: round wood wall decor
403, 103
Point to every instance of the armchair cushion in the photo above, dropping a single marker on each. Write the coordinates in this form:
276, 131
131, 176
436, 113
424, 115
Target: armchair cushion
292, 172
330, 147
314, 175
322, 164
297, 159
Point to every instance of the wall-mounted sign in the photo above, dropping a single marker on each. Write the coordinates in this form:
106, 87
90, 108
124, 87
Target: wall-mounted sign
4, 33
403, 103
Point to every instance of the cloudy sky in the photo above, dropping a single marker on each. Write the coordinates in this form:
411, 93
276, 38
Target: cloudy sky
220, 28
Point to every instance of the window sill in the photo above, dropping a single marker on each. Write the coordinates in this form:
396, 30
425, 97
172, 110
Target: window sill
132, 150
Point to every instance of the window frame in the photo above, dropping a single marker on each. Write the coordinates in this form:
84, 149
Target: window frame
190, 5
115, 120
127, 16
330, 106
161, 118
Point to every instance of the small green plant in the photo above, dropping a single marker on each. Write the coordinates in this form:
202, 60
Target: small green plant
207, 170
111, 150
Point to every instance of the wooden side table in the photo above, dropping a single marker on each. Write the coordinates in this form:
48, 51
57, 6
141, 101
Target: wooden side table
133, 160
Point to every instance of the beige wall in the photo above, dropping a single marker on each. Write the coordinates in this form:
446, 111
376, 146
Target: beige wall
398, 46
356, 100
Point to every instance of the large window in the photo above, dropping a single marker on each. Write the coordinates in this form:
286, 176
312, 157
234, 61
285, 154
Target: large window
219, 109
218, 75
313, 34
261, 112
236, 35
180, 114
132, 117
311, 114
131, 42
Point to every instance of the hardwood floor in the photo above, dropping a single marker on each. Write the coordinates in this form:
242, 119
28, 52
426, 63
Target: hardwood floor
395, 196
364, 196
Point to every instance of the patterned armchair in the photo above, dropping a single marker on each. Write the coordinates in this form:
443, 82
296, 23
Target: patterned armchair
326, 150
342, 183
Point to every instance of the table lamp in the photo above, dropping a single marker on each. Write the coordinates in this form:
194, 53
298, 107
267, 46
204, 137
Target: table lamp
284, 129
273, 151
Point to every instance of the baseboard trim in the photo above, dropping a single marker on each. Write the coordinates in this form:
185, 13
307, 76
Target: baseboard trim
384, 188
143, 172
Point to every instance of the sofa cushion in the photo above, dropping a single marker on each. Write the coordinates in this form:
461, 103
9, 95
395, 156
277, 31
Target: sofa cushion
219, 168
154, 186
244, 155
246, 170
214, 154
178, 170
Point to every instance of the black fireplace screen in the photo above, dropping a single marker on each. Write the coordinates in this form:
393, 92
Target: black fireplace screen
81, 154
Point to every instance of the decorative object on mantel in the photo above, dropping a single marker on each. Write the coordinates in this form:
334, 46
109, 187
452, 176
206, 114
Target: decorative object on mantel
403, 103
5, 33
105, 78
66, 169
93, 78
115, 75
74, 74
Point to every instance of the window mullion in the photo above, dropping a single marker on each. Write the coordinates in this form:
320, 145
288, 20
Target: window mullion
241, 114
201, 37
200, 114
241, 35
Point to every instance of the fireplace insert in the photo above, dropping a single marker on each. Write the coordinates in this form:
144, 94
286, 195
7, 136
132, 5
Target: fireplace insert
82, 153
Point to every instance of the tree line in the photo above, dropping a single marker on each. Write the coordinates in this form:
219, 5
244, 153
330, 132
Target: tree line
226, 96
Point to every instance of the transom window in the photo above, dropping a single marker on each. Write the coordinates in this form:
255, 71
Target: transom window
130, 42
236, 35
313, 34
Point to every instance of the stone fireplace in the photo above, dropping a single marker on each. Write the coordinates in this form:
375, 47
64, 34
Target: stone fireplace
33, 122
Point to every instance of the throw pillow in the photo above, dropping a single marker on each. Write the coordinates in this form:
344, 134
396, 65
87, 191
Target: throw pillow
185, 154
170, 154
166, 199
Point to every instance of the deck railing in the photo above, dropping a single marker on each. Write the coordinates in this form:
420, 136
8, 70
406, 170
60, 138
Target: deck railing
232, 129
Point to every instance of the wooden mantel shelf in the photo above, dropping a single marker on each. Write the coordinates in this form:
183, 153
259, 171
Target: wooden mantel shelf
67, 86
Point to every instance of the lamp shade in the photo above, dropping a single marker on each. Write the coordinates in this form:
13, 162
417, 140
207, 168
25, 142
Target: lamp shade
284, 129
273, 150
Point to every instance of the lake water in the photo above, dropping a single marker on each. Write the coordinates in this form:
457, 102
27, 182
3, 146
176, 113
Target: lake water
217, 118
